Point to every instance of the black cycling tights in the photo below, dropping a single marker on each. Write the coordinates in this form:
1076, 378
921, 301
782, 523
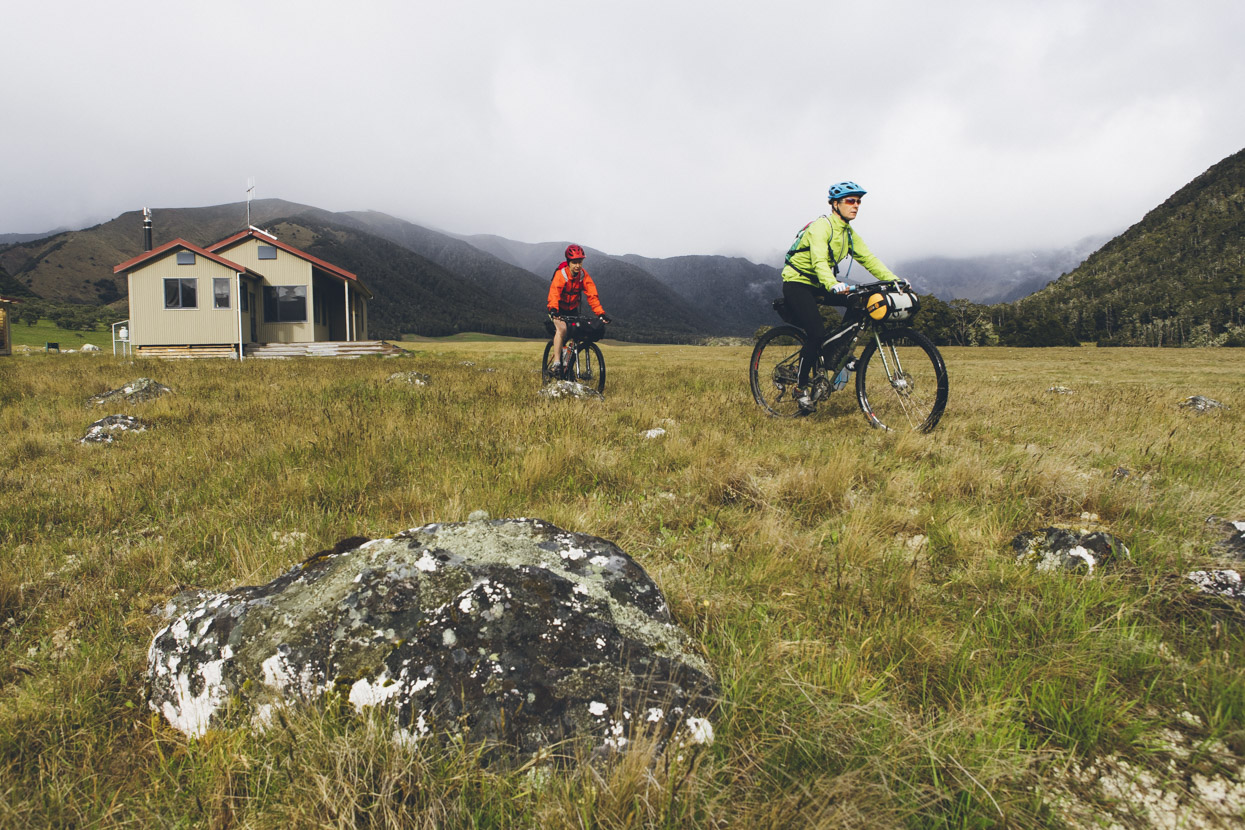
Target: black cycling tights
802, 306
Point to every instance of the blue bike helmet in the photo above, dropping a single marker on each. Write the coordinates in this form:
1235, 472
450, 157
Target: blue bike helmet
838, 191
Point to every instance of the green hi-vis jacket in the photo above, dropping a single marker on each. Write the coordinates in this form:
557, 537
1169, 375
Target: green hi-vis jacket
820, 246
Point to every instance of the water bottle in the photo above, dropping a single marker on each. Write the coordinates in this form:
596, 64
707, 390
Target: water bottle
840, 380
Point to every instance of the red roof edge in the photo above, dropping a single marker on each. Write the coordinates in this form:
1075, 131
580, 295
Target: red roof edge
178, 243
289, 249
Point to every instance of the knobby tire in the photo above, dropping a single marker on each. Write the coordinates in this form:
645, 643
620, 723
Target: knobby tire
773, 371
913, 393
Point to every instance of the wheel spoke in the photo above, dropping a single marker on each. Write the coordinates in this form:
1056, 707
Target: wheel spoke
902, 382
774, 371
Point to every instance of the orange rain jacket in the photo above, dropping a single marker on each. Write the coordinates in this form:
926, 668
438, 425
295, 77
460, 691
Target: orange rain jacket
564, 290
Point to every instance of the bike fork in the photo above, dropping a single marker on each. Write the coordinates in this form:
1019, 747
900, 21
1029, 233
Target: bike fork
894, 373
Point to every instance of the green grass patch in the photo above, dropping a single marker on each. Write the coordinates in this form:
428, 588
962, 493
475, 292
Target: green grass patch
884, 661
45, 331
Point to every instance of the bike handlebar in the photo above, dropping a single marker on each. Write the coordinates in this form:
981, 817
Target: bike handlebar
883, 285
859, 292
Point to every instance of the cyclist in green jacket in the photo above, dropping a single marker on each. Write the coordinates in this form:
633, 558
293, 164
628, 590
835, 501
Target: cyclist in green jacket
811, 273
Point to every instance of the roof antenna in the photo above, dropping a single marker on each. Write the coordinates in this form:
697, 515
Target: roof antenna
250, 188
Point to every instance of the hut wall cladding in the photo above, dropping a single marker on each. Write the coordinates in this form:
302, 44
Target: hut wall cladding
152, 324
286, 269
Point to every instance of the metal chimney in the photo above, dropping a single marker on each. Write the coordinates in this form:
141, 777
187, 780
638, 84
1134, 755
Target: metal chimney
146, 230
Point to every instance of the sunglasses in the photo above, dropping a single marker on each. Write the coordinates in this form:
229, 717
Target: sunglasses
852, 200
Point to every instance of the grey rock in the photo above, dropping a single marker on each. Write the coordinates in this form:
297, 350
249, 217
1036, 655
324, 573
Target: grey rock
510, 632
103, 430
1225, 583
138, 391
1063, 549
1060, 390
569, 389
410, 378
1198, 403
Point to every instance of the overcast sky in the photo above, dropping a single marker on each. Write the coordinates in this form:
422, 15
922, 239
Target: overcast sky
659, 128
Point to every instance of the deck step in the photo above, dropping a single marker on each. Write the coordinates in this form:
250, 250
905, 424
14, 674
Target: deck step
355, 348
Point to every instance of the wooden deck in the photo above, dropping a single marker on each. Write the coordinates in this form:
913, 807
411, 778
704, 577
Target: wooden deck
357, 348
179, 352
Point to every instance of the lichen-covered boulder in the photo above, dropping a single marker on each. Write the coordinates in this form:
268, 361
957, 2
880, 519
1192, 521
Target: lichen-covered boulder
103, 430
137, 391
1057, 548
512, 632
1224, 583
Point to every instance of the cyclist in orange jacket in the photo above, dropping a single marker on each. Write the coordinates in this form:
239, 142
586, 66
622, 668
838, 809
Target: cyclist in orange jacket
569, 281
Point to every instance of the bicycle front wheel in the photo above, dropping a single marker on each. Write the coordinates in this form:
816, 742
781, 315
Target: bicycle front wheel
774, 371
901, 381
590, 366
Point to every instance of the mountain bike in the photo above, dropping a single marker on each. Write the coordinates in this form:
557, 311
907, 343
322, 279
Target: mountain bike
582, 360
901, 380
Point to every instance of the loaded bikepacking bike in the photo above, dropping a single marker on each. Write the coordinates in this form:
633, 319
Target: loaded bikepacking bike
901, 380
581, 358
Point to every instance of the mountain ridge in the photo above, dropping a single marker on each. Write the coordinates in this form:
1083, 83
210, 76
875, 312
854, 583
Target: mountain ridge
1174, 277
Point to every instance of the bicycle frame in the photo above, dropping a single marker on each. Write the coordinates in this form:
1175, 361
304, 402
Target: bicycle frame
572, 351
857, 323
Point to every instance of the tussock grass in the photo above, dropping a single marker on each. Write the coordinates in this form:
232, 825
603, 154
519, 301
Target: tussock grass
883, 660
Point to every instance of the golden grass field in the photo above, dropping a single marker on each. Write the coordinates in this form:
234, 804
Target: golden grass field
883, 659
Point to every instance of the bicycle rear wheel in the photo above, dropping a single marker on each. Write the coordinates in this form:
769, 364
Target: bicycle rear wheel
545, 375
902, 385
590, 366
774, 371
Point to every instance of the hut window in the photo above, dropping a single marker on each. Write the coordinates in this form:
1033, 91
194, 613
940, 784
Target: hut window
181, 293
185, 257
220, 292
285, 303
267, 251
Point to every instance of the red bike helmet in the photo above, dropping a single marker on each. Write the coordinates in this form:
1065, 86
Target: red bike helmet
574, 252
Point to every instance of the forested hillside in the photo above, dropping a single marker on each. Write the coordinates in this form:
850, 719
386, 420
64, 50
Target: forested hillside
642, 306
412, 295
10, 287
424, 282
1177, 277
710, 294
499, 281
737, 292
76, 266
